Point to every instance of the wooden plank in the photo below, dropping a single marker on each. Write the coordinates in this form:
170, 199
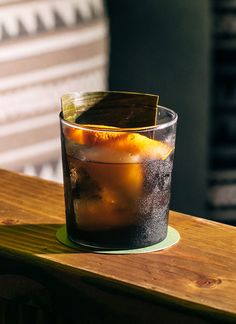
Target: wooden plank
199, 272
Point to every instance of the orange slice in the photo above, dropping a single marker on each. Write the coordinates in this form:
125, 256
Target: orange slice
108, 212
119, 186
124, 179
123, 142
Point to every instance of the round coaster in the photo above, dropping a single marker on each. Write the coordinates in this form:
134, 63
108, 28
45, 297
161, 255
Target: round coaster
171, 239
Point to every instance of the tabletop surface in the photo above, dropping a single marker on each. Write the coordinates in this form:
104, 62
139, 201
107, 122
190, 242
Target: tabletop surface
199, 270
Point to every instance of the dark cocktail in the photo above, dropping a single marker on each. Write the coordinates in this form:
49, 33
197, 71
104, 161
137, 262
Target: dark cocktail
117, 179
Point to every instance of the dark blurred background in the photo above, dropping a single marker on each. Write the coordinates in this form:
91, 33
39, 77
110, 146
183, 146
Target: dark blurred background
185, 51
163, 47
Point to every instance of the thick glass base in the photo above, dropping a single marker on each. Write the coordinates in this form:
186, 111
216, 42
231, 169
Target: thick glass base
131, 237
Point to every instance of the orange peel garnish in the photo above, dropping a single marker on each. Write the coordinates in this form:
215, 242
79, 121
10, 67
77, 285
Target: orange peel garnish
124, 142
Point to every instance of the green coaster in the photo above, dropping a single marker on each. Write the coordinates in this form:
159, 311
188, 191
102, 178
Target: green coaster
171, 239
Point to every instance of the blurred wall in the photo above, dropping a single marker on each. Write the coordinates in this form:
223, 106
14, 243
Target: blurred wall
163, 47
48, 48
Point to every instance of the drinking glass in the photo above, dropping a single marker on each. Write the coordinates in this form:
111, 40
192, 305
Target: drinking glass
117, 152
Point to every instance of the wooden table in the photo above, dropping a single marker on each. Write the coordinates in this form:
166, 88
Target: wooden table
192, 281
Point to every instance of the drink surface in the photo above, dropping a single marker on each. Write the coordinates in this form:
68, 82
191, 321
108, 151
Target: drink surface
117, 195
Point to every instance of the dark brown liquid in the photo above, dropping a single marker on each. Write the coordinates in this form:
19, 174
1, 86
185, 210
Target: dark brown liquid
117, 205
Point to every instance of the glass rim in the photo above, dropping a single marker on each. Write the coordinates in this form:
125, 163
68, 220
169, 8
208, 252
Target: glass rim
102, 128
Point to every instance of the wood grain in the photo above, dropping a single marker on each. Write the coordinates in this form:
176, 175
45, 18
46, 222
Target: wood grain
199, 272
